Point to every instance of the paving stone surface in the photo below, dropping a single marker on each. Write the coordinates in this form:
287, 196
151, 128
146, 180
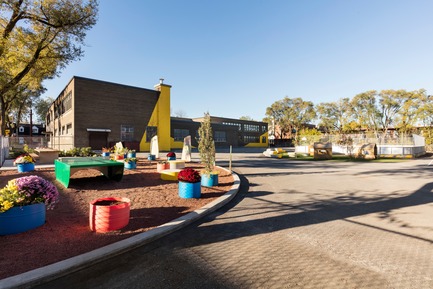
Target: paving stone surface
294, 224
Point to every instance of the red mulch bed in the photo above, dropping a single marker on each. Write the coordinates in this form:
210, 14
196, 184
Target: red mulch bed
66, 232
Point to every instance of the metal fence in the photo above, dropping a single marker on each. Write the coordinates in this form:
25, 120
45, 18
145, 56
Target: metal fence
360, 140
4, 149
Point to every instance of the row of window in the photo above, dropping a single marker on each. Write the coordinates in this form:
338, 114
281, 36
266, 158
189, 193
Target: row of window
59, 109
248, 127
64, 130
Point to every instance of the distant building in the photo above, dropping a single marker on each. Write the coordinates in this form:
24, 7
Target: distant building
227, 131
94, 113
25, 129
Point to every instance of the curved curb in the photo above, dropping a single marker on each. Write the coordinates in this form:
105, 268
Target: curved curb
61, 268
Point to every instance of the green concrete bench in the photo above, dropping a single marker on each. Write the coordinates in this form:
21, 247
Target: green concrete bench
65, 167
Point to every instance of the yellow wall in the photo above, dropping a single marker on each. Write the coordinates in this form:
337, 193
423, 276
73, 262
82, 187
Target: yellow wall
259, 144
161, 119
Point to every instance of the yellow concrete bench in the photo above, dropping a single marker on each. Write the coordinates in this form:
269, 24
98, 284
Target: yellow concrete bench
169, 175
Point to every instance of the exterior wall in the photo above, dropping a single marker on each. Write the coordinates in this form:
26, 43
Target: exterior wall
99, 106
58, 118
161, 119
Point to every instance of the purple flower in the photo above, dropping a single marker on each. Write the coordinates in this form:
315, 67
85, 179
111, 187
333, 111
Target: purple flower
38, 190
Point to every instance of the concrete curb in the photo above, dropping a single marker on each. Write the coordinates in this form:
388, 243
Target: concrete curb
59, 269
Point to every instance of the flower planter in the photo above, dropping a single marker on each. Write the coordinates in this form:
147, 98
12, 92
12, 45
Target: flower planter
28, 167
209, 180
171, 158
109, 214
20, 219
189, 190
151, 157
105, 154
131, 155
131, 165
119, 157
161, 167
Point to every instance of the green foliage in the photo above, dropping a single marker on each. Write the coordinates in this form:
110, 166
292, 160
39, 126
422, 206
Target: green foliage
308, 136
206, 145
41, 108
290, 115
37, 40
77, 152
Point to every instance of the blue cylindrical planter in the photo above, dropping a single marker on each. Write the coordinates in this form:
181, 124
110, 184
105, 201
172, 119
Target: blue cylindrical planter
131, 155
130, 165
151, 157
209, 180
189, 190
22, 168
171, 158
105, 154
20, 219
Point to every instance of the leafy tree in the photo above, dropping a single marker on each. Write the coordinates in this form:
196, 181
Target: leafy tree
335, 116
391, 102
41, 108
365, 111
246, 118
38, 39
180, 113
425, 110
409, 112
290, 115
275, 114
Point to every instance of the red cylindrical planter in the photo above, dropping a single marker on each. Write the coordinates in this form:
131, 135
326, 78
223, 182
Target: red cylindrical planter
109, 214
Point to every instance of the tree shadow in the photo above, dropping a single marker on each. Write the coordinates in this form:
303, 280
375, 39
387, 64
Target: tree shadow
291, 215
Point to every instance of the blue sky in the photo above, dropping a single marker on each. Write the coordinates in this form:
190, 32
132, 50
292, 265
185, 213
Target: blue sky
234, 58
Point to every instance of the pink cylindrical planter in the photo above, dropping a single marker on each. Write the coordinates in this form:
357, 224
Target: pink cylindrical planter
109, 214
162, 166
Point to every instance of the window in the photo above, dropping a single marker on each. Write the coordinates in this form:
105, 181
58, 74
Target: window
63, 130
251, 138
180, 134
151, 131
126, 133
69, 128
251, 127
234, 124
220, 136
67, 102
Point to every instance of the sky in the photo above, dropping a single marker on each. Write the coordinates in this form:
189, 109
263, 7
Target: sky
235, 58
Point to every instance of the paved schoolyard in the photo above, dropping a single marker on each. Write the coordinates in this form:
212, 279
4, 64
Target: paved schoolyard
294, 224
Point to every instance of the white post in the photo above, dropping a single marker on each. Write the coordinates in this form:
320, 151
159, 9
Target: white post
230, 159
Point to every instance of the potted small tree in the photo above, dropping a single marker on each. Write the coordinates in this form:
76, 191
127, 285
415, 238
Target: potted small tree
206, 148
